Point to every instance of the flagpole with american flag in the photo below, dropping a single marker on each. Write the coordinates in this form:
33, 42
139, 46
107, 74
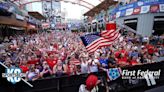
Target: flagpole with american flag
97, 40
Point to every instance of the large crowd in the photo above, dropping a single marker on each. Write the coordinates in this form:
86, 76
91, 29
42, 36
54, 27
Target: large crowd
63, 53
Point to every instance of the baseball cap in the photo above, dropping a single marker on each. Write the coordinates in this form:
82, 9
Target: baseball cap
91, 82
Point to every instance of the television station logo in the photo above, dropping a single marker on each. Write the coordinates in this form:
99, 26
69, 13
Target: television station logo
13, 75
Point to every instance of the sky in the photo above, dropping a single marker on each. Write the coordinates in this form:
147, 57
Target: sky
73, 11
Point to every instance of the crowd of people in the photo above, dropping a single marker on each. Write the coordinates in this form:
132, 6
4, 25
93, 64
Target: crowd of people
63, 53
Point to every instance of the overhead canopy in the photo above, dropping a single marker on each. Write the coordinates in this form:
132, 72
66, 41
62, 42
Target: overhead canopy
102, 6
36, 15
13, 21
85, 3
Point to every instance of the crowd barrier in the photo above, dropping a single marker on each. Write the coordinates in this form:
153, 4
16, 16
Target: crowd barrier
124, 85
72, 83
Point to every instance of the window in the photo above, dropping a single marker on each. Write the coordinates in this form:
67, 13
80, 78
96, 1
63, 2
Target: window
158, 25
131, 23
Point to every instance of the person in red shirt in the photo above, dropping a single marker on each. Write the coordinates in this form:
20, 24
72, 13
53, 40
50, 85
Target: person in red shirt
122, 60
51, 61
150, 49
33, 60
133, 61
70, 68
24, 67
117, 54
123, 51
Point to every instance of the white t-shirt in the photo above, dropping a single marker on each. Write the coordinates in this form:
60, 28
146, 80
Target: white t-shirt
32, 74
93, 67
83, 89
84, 67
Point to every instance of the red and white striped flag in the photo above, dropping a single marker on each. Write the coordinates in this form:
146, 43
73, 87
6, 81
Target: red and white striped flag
97, 40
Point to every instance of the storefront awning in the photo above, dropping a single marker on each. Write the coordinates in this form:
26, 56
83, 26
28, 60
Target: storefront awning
36, 15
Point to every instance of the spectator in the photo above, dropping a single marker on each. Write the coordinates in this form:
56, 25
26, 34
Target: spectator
104, 61
112, 61
58, 69
84, 65
46, 70
70, 68
93, 64
90, 84
47, 50
32, 74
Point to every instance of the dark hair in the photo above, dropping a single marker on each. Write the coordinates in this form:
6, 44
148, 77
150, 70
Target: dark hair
119, 56
69, 58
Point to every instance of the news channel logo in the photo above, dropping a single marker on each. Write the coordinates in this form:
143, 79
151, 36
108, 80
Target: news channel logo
13, 75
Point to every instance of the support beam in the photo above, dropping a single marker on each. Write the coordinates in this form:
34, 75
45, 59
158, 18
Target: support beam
61, 0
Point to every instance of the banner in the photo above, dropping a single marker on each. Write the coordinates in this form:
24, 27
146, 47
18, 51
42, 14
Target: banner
161, 7
129, 11
142, 6
118, 14
154, 8
123, 13
137, 10
145, 9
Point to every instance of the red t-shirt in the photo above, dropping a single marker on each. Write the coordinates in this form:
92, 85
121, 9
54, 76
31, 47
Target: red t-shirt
51, 62
34, 61
24, 68
133, 62
50, 52
123, 60
150, 49
124, 52
55, 46
117, 54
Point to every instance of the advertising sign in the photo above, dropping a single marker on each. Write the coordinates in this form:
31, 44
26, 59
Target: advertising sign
129, 11
122, 13
154, 8
118, 14
145, 9
137, 10
142, 6
161, 7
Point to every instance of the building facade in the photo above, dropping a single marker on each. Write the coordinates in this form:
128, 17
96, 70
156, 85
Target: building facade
146, 17
52, 10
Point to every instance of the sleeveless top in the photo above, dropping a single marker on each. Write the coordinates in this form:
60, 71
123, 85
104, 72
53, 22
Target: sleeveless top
59, 70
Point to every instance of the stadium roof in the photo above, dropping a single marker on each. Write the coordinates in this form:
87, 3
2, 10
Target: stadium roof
36, 15
85, 3
102, 6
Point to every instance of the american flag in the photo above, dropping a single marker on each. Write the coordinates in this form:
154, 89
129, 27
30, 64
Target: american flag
96, 40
